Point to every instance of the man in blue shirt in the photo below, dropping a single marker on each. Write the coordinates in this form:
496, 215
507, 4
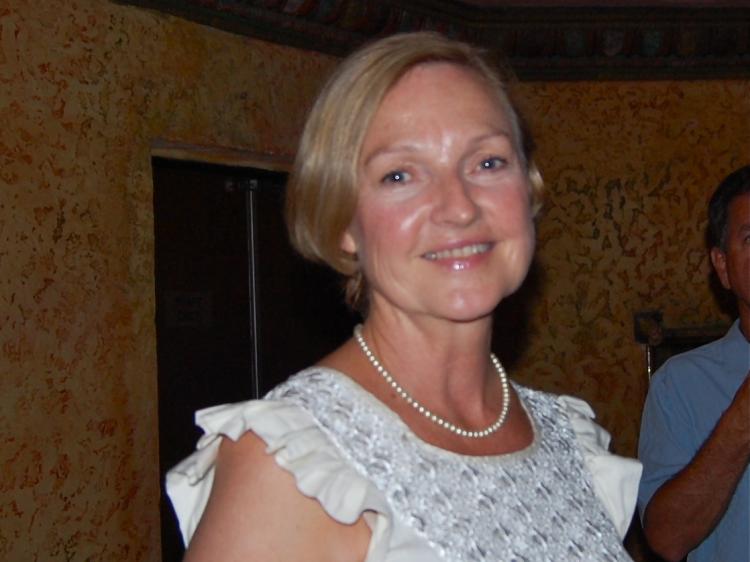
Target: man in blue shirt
694, 497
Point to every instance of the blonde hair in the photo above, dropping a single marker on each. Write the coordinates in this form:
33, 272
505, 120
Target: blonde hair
322, 189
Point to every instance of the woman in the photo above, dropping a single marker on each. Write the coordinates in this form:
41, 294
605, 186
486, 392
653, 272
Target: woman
407, 443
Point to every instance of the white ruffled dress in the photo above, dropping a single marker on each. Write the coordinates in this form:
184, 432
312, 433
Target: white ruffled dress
343, 446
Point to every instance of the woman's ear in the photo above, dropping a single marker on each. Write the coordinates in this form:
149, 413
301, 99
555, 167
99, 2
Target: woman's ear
347, 242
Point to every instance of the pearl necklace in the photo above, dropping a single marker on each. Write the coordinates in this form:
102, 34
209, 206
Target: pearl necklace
427, 413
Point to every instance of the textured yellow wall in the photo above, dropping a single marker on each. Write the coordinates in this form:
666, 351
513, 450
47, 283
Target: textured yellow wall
629, 170
86, 88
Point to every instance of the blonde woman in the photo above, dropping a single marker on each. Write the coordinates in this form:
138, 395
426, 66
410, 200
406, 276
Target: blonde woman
409, 443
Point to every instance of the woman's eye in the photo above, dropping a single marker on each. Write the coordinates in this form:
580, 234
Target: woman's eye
396, 176
491, 163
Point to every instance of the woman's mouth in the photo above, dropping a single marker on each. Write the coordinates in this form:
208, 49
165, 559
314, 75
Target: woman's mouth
457, 253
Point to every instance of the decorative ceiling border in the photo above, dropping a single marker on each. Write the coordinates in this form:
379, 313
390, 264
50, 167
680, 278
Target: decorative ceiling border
540, 43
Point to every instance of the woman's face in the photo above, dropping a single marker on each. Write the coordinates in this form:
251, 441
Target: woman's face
443, 225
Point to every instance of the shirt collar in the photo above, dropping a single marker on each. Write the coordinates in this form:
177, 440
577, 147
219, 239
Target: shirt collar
736, 349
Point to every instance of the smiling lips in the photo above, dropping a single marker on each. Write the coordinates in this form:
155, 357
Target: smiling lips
457, 253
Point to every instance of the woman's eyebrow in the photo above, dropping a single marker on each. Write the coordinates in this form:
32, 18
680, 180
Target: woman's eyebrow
386, 150
414, 147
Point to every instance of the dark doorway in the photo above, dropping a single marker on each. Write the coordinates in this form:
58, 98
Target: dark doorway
237, 311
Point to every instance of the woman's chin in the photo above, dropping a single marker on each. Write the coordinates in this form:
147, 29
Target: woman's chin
455, 304
468, 310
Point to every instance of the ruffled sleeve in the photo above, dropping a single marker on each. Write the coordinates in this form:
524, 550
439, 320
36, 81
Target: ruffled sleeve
615, 478
300, 447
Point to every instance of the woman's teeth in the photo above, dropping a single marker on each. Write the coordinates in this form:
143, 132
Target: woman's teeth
463, 252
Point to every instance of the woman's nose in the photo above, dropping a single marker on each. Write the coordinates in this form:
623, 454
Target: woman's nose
454, 201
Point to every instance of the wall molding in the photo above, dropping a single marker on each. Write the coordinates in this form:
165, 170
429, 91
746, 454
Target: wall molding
227, 156
606, 43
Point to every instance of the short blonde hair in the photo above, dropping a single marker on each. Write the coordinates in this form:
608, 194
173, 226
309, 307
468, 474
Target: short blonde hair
322, 189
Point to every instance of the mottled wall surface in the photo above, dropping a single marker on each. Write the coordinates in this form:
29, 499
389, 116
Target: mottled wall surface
86, 88
629, 169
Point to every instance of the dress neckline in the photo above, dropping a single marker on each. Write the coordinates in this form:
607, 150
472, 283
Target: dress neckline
387, 412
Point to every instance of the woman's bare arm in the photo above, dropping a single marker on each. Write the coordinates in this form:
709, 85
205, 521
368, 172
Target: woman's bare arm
256, 512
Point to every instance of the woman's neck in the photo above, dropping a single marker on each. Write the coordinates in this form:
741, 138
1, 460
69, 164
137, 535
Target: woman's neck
447, 361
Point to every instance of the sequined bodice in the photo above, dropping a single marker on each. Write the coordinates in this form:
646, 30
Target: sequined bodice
536, 504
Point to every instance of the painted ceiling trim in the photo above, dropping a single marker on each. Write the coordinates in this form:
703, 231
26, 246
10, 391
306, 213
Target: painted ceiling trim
541, 43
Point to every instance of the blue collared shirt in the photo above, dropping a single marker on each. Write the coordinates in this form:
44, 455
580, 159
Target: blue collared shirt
687, 396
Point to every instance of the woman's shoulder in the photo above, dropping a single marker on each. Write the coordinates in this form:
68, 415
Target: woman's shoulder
251, 502
308, 380
271, 446
327, 394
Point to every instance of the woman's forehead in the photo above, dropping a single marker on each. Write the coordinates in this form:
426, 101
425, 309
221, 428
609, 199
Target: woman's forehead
426, 75
439, 96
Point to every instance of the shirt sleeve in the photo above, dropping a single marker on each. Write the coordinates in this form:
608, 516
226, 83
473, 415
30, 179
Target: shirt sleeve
615, 478
665, 445
301, 448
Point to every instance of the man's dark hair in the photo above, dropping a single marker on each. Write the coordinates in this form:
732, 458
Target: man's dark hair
735, 184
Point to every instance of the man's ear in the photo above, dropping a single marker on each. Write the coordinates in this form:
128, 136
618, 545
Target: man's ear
347, 242
719, 260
